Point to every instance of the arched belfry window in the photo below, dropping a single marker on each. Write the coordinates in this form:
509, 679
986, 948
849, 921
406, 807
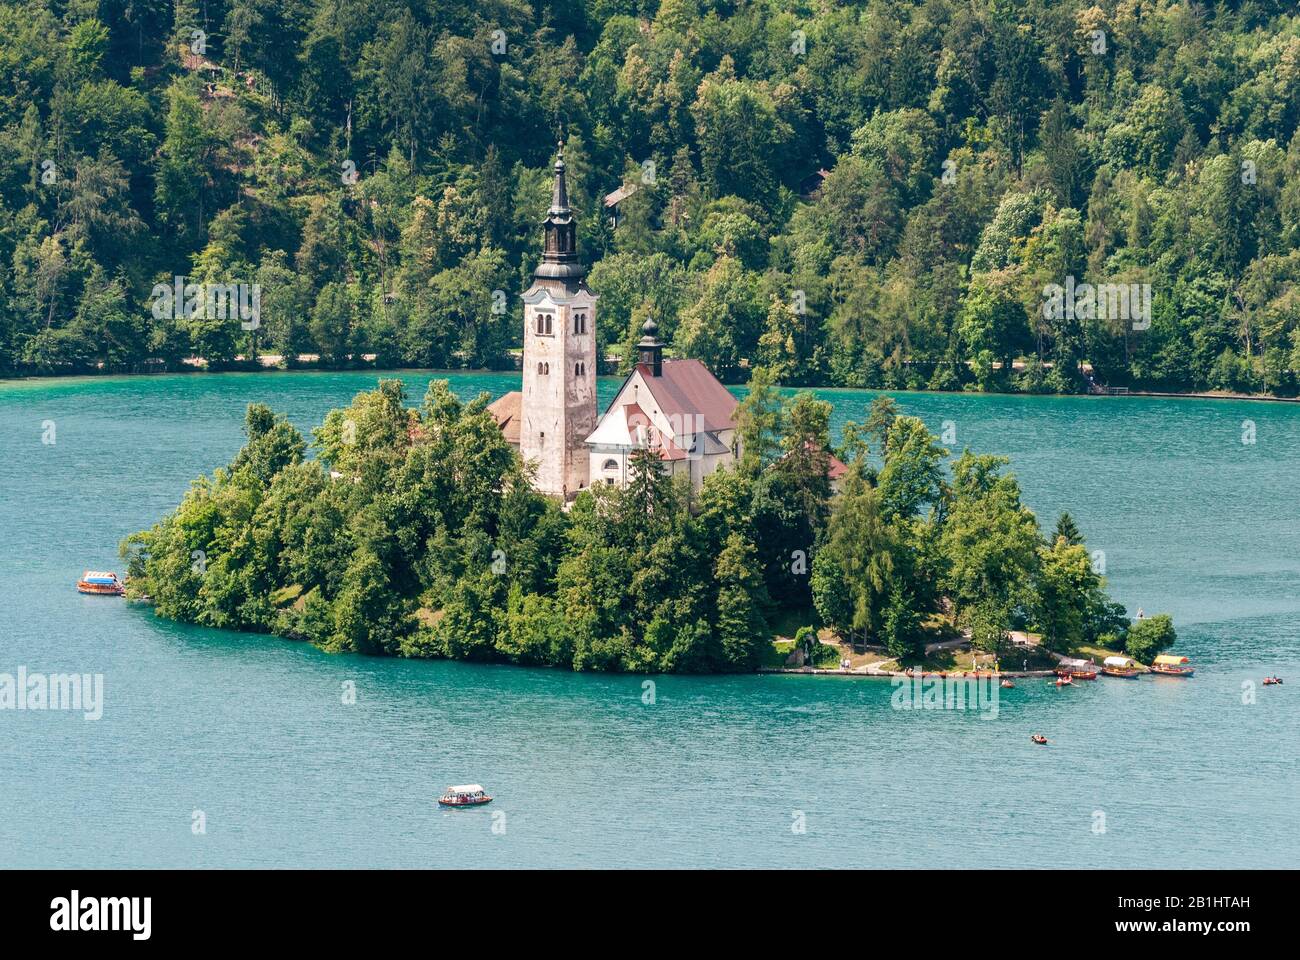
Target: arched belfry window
548, 324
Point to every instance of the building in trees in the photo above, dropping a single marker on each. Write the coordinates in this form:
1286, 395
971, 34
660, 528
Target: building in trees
674, 408
677, 409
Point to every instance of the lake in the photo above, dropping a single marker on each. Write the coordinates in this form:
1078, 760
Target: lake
249, 735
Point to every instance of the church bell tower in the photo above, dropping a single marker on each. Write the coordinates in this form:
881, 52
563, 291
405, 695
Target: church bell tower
558, 410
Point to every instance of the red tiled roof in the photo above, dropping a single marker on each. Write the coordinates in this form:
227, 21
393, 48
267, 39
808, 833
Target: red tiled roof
505, 411
688, 389
835, 467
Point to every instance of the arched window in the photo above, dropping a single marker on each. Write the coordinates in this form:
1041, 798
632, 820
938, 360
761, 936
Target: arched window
610, 464
548, 324
539, 323
539, 368
546, 368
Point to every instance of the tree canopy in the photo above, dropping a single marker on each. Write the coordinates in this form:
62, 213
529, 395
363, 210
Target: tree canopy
858, 194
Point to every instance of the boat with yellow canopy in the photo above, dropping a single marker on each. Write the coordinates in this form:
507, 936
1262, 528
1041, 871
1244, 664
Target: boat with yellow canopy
1170, 665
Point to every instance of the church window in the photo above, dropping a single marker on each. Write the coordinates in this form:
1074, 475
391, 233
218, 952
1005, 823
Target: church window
539, 369
548, 324
610, 464
546, 368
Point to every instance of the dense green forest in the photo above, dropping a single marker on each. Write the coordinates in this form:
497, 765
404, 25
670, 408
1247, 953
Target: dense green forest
415, 533
861, 193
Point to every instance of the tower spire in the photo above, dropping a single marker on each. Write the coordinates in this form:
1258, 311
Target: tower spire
559, 194
560, 252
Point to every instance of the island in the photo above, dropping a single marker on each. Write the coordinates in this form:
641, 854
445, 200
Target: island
419, 533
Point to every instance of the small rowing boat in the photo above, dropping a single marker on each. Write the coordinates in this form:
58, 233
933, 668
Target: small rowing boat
1039, 739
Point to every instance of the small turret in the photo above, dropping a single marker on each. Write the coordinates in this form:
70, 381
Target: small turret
650, 349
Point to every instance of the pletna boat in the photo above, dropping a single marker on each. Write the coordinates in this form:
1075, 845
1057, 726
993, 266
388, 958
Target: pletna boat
1169, 665
100, 583
465, 795
1077, 669
1125, 667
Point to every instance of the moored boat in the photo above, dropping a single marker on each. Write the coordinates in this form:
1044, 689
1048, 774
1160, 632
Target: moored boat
1125, 667
100, 583
465, 795
1077, 669
1169, 665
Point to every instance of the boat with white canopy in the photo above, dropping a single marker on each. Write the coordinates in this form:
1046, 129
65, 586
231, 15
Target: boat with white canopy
464, 795
1076, 669
1125, 667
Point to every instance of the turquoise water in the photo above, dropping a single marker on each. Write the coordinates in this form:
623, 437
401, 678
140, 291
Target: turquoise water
252, 732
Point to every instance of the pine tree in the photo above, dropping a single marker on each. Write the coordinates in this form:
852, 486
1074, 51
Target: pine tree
1067, 528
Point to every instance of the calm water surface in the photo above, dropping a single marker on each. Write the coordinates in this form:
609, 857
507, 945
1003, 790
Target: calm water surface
251, 731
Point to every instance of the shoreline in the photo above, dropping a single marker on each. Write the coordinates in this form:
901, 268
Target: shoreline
193, 371
889, 674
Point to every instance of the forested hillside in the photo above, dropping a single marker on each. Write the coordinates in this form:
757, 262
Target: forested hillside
865, 194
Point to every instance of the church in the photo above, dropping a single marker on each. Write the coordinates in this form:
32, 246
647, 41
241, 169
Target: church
677, 409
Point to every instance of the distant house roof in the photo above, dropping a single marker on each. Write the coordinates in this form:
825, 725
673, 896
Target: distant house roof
812, 183
622, 193
835, 467
686, 389
505, 411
